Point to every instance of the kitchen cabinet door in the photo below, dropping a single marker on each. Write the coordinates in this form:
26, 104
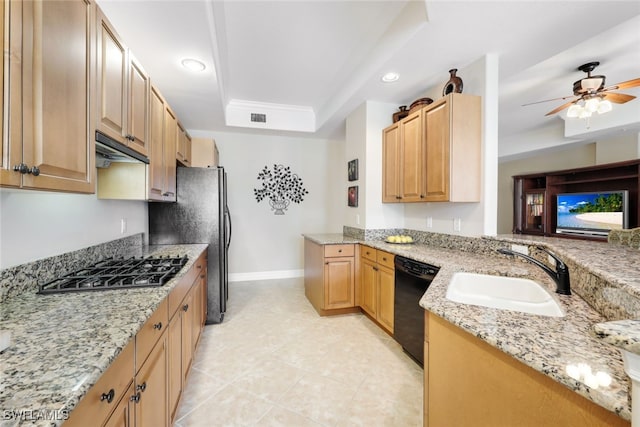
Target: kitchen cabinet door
151, 388
123, 414
368, 278
51, 59
386, 293
436, 123
170, 141
174, 370
11, 81
339, 283
183, 152
390, 164
187, 313
156, 155
410, 161
112, 81
137, 107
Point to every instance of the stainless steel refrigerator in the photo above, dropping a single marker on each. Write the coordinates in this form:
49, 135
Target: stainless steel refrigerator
200, 215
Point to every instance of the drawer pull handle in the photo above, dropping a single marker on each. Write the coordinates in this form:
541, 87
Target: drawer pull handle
384, 259
141, 387
157, 326
108, 396
339, 250
185, 307
136, 397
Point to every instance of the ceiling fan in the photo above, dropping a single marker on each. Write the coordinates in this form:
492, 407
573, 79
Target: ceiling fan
590, 95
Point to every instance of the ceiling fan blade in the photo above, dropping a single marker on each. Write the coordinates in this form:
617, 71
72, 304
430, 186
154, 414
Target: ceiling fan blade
560, 108
548, 100
624, 85
618, 98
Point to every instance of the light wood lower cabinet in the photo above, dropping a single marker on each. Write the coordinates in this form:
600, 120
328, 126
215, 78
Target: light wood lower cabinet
150, 392
144, 384
377, 285
330, 277
470, 383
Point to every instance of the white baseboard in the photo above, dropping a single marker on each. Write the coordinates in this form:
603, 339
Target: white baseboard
265, 275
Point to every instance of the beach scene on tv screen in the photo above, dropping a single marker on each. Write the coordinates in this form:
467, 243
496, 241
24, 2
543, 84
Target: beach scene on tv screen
590, 211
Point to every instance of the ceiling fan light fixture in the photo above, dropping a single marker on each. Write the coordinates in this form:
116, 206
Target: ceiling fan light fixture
605, 106
591, 104
584, 114
574, 111
193, 65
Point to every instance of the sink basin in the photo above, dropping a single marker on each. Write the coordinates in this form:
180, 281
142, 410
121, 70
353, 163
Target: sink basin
507, 293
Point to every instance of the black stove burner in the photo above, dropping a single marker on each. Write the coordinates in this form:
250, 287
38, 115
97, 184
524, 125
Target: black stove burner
114, 273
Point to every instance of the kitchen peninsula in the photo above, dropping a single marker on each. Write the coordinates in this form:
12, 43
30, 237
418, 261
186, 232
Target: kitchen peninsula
606, 287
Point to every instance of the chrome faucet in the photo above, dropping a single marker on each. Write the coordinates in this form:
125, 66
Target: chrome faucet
560, 275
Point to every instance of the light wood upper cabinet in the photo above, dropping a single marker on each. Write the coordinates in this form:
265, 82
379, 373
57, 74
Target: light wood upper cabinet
51, 58
183, 152
170, 143
433, 155
453, 149
403, 175
123, 90
390, 164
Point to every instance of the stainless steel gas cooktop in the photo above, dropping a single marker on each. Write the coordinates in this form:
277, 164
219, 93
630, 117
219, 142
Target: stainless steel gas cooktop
120, 273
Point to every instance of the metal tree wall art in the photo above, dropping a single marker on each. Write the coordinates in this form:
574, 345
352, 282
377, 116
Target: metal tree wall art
281, 187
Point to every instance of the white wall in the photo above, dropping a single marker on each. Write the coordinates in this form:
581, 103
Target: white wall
263, 244
364, 142
618, 148
37, 224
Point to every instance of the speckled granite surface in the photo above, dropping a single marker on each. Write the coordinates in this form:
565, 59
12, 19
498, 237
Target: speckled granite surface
62, 343
561, 348
15, 280
331, 239
622, 333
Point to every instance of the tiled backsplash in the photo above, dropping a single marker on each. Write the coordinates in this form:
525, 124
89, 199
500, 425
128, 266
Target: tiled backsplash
27, 277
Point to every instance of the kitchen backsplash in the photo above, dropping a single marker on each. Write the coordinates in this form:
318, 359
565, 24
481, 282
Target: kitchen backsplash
27, 277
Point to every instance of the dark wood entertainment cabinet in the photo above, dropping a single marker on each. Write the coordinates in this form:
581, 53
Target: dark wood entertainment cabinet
534, 206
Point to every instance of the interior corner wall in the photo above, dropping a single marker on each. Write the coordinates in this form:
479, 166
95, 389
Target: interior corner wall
355, 148
40, 224
265, 245
480, 78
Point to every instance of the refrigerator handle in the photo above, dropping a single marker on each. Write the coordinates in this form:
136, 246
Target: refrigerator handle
226, 212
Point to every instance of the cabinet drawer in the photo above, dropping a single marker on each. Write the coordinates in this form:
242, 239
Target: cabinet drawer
338, 250
368, 253
150, 332
385, 259
94, 409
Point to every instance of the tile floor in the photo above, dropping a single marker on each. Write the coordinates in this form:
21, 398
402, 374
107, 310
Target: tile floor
275, 362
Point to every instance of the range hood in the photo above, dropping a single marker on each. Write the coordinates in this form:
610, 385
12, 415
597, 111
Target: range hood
110, 151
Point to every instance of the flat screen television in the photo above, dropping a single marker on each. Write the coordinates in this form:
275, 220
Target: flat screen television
594, 213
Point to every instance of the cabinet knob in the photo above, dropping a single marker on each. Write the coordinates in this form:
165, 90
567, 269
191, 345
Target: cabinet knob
384, 258
108, 396
35, 171
398, 197
141, 387
185, 307
422, 196
339, 251
22, 168
157, 326
136, 397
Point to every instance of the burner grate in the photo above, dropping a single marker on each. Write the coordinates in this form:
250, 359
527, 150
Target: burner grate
118, 273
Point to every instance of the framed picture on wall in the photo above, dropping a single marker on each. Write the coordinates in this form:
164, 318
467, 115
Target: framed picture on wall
352, 196
352, 170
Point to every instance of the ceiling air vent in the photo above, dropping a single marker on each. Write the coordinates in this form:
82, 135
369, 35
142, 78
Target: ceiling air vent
258, 118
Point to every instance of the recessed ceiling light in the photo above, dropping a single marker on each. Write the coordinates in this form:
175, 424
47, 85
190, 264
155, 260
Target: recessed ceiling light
193, 64
390, 77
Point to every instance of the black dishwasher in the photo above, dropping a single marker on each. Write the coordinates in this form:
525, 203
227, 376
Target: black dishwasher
412, 280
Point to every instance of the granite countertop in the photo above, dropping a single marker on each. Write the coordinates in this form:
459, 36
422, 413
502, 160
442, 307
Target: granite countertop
62, 343
561, 348
331, 239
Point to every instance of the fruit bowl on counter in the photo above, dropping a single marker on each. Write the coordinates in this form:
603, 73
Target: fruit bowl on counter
399, 239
